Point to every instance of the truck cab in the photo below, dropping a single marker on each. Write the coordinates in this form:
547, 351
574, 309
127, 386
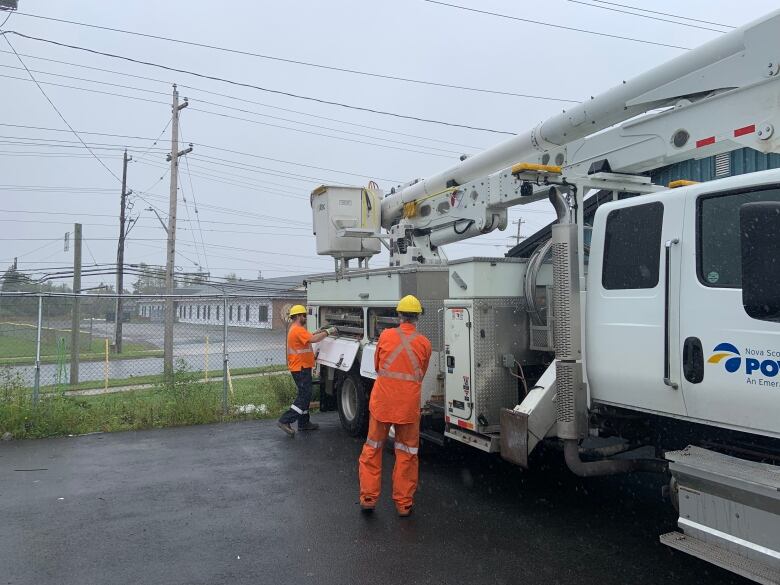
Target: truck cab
677, 321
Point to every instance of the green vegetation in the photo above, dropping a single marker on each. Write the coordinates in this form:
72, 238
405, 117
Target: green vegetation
154, 379
188, 401
17, 345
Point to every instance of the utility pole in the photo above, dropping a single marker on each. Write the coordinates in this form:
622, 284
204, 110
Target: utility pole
75, 326
120, 259
173, 157
520, 221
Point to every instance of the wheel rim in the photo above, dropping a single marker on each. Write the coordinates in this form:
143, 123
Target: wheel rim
349, 399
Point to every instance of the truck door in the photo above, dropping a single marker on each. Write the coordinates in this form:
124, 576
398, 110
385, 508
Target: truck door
458, 385
632, 305
730, 359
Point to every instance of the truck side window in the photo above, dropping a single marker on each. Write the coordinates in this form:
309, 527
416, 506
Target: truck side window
719, 254
632, 247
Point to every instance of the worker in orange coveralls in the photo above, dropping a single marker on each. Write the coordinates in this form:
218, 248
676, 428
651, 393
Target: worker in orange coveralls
401, 360
300, 361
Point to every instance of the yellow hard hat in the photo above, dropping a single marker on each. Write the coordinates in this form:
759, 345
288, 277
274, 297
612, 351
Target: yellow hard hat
297, 310
409, 304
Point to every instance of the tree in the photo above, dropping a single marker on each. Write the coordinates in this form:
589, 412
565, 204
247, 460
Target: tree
150, 280
231, 277
16, 281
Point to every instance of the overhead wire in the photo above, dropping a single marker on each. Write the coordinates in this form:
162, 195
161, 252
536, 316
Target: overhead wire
83, 214
253, 86
211, 147
666, 14
292, 61
556, 26
54, 107
647, 16
278, 126
216, 104
10, 12
255, 102
194, 201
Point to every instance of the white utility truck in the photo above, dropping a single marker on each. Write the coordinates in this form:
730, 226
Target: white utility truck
655, 323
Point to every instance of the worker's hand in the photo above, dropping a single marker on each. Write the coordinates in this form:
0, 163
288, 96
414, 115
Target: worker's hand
332, 330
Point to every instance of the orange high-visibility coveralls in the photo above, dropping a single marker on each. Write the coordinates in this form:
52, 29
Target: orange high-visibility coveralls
401, 360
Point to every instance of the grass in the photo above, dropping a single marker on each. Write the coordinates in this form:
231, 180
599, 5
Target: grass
18, 341
188, 401
153, 379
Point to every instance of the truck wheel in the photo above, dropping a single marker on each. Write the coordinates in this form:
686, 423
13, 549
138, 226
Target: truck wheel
352, 401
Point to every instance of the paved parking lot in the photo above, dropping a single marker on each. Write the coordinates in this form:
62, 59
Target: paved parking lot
241, 503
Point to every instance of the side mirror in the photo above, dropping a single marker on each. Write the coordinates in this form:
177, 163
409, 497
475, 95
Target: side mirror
760, 234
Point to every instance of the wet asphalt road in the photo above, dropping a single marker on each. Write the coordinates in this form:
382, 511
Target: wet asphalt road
241, 503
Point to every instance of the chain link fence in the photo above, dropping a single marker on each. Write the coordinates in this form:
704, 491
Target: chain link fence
228, 346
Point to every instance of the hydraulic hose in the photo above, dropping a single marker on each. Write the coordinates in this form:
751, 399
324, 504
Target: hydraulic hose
571, 454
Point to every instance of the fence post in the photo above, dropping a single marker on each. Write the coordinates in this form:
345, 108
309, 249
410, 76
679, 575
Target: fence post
224, 355
206, 360
37, 386
105, 366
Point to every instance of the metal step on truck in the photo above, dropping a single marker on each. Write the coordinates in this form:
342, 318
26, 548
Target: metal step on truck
652, 323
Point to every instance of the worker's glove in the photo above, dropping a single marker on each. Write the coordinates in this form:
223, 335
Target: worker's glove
332, 330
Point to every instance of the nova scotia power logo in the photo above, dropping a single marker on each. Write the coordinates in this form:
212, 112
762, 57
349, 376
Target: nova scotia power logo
726, 351
759, 364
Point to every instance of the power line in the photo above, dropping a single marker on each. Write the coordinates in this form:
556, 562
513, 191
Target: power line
257, 87
80, 214
666, 14
296, 62
54, 107
645, 16
211, 147
243, 99
156, 140
556, 26
114, 94
234, 182
157, 226
243, 110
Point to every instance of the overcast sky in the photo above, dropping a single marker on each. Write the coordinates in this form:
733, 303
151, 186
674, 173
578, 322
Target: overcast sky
251, 177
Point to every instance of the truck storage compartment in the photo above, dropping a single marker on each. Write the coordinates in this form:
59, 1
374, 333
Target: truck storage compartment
379, 319
349, 320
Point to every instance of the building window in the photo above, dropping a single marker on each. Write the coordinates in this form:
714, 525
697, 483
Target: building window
231, 312
262, 313
190, 312
247, 314
198, 309
217, 312
208, 309
238, 317
632, 247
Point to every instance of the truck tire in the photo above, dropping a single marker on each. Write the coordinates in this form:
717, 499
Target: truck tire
352, 401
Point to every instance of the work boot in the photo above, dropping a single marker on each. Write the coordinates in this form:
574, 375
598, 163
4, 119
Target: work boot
308, 426
286, 428
405, 512
367, 506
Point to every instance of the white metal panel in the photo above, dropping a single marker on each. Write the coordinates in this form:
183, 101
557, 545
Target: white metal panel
486, 277
367, 361
337, 208
458, 377
625, 328
337, 352
747, 398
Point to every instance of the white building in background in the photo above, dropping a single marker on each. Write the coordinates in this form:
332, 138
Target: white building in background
241, 312
263, 307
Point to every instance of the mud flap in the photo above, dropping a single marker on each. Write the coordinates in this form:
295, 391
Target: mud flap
514, 437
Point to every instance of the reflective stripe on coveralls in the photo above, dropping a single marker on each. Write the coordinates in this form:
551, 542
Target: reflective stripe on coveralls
406, 347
